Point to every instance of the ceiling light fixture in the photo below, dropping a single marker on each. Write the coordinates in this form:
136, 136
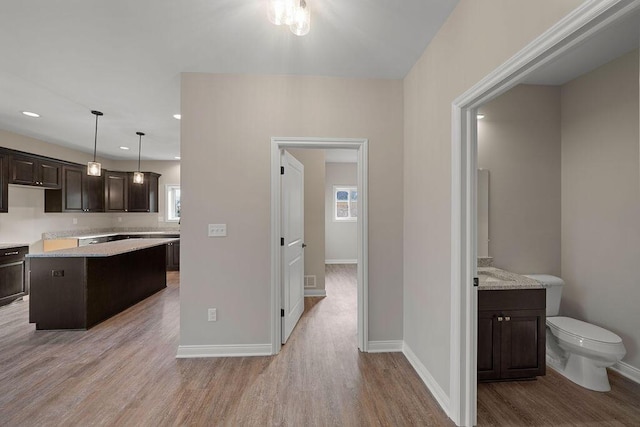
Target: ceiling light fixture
138, 177
124, 148
177, 116
480, 116
30, 114
294, 13
94, 168
177, 157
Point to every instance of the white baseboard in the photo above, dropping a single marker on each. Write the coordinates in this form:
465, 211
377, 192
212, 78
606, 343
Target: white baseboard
340, 261
628, 371
308, 292
427, 379
385, 346
234, 350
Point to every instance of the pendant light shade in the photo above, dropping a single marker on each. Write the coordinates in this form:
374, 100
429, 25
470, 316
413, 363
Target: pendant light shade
94, 168
138, 177
301, 22
280, 12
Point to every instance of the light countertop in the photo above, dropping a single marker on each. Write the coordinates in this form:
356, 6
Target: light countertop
107, 249
492, 278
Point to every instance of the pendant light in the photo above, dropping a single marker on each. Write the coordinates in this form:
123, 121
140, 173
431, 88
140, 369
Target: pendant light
138, 177
94, 168
301, 22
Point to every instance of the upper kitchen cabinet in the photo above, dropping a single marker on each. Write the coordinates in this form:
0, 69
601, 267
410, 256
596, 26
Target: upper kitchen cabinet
116, 192
34, 170
4, 181
80, 192
143, 197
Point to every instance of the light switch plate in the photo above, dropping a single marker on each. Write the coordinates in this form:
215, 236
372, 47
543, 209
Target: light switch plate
217, 230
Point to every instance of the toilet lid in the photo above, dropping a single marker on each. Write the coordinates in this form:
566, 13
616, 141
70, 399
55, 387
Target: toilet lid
582, 329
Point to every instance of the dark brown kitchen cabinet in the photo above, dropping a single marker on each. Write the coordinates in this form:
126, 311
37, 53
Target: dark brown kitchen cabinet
35, 171
173, 256
80, 192
12, 273
115, 191
4, 181
511, 334
143, 197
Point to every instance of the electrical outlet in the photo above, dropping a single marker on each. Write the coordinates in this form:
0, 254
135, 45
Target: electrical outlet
212, 314
217, 230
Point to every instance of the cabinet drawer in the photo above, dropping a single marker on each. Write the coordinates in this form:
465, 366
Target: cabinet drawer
10, 255
512, 299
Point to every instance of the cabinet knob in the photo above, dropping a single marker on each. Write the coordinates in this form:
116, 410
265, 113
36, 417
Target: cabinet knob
507, 318
500, 318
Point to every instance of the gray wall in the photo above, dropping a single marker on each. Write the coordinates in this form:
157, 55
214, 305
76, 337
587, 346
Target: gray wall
519, 143
601, 200
341, 237
476, 38
26, 220
314, 234
227, 124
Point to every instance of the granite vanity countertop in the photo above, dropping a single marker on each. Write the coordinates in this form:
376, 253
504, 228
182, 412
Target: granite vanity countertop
4, 246
107, 249
492, 278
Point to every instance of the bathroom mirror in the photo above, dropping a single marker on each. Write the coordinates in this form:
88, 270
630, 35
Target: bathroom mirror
483, 213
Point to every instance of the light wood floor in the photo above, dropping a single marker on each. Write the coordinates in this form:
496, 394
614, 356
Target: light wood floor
124, 372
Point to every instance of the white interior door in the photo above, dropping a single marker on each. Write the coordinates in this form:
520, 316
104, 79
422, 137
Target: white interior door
293, 248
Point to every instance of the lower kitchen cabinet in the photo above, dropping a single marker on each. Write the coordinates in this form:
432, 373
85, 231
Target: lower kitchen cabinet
511, 334
173, 256
12, 273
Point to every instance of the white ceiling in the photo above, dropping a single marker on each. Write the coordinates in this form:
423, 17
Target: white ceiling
63, 58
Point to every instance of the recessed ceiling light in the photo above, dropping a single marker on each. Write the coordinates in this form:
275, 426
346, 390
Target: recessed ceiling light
480, 116
124, 148
30, 114
177, 116
177, 157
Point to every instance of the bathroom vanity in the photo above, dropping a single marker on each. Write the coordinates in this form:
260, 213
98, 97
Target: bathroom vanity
511, 326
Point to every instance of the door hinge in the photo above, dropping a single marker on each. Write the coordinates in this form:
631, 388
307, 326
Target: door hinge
282, 312
476, 282
281, 170
282, 241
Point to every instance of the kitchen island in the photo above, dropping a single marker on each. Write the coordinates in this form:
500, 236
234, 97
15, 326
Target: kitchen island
78, 288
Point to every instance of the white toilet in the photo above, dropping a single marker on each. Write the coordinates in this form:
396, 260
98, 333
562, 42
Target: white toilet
578, 350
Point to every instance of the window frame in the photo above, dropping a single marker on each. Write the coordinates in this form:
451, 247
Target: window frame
349, 189
170, 190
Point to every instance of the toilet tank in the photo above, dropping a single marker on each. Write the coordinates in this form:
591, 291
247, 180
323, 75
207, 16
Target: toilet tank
553, 285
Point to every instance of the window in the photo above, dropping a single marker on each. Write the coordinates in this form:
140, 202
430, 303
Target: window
345, 201
173, 203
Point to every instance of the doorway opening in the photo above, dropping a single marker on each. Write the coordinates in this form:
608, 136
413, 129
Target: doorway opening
567, 34
278, 145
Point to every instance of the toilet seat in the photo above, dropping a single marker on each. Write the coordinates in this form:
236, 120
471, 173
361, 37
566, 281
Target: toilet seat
580, 329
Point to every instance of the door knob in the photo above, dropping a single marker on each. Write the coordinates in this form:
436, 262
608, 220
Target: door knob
304, 245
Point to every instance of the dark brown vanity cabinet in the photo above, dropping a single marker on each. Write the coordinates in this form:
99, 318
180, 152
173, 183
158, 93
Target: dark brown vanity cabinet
12, 273
35, 171
80, 192
116, 192
143, 197
173, 256
511, 334
4, 181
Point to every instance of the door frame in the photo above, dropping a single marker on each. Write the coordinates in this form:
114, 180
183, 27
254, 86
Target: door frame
361, 145
587, 19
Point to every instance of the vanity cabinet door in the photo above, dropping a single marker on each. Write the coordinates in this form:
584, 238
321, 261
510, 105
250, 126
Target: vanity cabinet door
523, 344
488, 345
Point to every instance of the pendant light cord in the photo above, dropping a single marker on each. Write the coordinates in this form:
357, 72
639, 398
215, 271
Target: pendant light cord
95, 141
140, 135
